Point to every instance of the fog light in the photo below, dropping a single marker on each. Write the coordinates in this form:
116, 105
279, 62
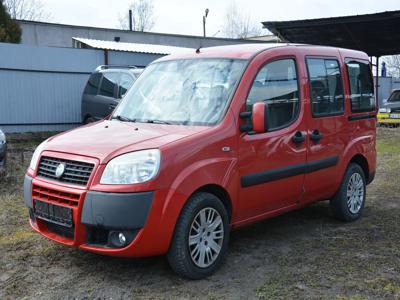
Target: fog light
122, 238
117, 239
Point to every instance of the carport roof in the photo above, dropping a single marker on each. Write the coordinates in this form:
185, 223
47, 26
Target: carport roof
130, 47
376, 34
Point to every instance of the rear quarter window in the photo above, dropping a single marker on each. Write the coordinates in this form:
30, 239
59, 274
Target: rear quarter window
361, 85
93, 83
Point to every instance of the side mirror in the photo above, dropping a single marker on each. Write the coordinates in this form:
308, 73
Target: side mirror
259, 120
384, 100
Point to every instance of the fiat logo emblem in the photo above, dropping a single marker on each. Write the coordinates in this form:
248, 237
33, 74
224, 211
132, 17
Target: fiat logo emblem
60, 170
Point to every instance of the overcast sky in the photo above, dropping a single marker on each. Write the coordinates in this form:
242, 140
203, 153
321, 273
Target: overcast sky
185, 16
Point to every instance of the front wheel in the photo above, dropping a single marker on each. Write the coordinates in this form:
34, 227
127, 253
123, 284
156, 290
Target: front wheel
349, 201
201, 237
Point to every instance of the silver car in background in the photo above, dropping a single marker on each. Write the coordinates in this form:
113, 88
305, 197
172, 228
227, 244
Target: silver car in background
392, 104
3, 149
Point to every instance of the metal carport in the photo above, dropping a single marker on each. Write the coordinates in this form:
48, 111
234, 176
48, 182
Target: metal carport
376, 34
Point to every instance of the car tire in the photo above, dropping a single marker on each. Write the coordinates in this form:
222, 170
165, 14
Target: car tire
349, 201
193, 253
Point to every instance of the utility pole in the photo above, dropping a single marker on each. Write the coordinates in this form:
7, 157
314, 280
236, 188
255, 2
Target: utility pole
130, 19
204, 21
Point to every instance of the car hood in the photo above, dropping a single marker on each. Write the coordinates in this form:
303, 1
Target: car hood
392, 105
106, 139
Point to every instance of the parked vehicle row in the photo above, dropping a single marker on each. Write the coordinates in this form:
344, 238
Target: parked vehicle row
389, 114
207, 142
104, 89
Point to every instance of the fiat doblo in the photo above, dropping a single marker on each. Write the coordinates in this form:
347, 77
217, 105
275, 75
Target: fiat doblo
205, 142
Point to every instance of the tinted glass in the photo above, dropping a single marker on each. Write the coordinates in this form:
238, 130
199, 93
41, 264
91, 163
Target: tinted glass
108, 84
125, 82
361, 86
394, 97
92, 85
276, 85
326, 87
185, 91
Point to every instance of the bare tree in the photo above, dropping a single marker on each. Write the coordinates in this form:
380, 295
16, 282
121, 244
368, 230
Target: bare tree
238, 23
142, 16
31, 10
393, 65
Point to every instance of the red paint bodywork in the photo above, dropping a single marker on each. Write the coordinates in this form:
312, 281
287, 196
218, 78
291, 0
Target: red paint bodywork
192, 156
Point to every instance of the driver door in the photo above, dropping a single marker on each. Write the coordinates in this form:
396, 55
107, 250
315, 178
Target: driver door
271, 164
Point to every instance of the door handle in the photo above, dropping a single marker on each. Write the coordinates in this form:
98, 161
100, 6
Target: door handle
298, 137
315, 136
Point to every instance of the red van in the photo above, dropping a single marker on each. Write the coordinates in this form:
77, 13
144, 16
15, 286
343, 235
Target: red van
205, 142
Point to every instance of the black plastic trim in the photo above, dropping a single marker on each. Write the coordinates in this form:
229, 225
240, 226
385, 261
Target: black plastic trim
371, 177
116, 210
361, 117
288, 171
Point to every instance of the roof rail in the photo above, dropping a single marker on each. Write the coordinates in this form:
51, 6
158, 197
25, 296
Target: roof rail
105, 67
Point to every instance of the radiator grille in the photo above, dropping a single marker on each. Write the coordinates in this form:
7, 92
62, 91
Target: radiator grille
75, 172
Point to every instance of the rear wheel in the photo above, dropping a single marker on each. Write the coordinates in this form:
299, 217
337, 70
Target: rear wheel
201, 237
348, 203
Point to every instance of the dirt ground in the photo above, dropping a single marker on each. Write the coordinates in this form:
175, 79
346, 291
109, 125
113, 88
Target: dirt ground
303, 254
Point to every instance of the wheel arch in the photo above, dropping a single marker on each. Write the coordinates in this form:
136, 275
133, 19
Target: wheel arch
363, 163
220, 193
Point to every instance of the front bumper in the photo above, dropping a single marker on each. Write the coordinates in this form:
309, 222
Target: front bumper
387, 119
98, 215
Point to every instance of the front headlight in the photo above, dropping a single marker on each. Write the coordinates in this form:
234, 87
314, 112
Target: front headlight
385, 110
134, 167
2, 138
36, 155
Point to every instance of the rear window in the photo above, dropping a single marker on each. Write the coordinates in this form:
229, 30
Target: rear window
108, 84
93, 83
361, 86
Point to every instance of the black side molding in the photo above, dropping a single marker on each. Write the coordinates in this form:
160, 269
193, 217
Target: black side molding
288, 171
361, 117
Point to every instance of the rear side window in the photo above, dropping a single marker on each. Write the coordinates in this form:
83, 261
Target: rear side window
125, 82
276, 85
326, 86
93, 83
108, 84
361, 86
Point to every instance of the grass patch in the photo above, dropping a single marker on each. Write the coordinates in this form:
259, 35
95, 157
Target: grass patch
391, 145
16, 237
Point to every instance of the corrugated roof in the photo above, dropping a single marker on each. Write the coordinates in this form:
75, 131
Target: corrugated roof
131, 47
376, 34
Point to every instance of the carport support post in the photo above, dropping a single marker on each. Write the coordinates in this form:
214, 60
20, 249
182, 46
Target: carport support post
377, 80
105, 56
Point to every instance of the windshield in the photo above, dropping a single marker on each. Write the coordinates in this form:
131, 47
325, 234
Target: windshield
188, 92
394, 97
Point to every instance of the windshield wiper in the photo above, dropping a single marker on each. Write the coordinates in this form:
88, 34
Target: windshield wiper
158, 122
122, 118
